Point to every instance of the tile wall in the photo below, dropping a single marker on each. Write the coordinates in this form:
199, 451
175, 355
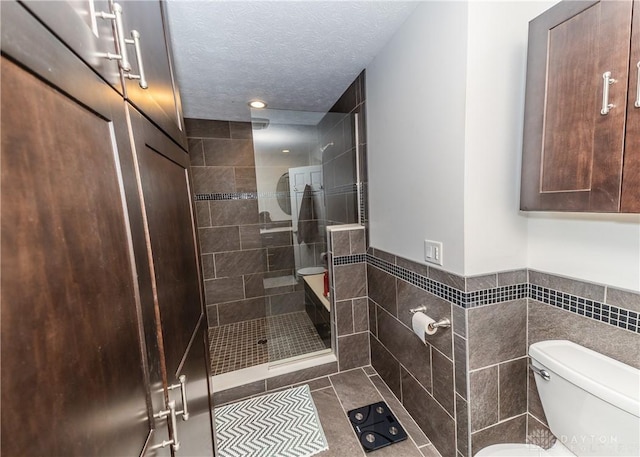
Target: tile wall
348, 297
421, 375
236, 257
470, 387
339, 161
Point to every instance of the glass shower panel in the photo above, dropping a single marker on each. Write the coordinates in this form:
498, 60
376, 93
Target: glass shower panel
305, 176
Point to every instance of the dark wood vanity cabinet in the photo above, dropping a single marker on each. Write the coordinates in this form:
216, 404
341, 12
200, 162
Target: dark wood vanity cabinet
581, 143
101, 300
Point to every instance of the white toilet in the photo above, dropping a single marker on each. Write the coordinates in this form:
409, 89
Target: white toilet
592, 404
307, 271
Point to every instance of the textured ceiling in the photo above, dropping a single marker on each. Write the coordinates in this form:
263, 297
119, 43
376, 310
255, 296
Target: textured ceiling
294, 55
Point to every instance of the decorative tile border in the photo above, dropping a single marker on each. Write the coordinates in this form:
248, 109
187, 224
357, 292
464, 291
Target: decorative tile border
618, 317
228, 196
349, 259
344, 189
602, 312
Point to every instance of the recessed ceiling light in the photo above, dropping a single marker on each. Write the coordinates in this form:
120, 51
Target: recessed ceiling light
259, 104
285, 150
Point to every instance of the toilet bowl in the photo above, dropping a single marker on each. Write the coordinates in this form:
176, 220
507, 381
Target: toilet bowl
306, 271
591, 402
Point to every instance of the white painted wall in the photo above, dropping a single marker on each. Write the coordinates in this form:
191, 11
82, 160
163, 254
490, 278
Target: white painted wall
495, 233
415, 120
594, 247
450, 172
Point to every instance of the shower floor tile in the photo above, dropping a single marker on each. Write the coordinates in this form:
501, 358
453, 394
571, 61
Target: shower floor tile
236, 346
290, 335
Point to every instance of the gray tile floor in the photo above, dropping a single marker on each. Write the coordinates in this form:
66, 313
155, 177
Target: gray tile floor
336, 394
235, 346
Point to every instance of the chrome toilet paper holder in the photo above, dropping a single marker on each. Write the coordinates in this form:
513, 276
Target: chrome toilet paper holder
442, 323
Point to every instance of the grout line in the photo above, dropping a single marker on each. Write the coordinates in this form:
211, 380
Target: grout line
498, 382
499, 422
526, 429
353, 318
422, 387
499, 363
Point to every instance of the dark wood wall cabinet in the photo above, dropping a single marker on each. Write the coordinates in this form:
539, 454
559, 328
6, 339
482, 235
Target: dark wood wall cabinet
126, 38
581, 149
103, 336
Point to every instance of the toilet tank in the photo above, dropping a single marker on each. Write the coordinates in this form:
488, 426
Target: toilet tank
592, 402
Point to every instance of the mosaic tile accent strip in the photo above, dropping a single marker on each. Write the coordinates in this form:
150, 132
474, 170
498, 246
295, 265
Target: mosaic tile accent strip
350, 259
284, 423
602, 312
228, 196
249, 195
622, 318
363, 203
344, 189
235, 346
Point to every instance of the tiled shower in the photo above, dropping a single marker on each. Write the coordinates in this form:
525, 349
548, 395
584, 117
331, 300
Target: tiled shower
254, 297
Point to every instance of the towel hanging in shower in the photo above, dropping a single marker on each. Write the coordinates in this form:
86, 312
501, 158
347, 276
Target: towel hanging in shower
307, 225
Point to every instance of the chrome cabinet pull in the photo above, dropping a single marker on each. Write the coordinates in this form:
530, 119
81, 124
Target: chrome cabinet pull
637, 103
607, 81
135, 41
544, 374
116, 17
183, 392
171, 413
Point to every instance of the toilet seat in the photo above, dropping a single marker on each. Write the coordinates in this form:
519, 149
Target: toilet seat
310, 271
512, 450
525, 450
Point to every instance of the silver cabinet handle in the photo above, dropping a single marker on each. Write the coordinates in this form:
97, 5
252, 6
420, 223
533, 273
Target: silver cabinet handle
544, 374
171, 413
135, 41
116, 17
607, 81
183, 392
637, 103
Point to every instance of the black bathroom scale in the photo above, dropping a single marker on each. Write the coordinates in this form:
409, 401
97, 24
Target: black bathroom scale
376, 426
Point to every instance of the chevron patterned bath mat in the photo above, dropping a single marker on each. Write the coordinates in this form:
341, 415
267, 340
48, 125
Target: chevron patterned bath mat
282, 424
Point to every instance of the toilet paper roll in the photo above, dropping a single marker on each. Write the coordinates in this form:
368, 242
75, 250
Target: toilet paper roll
420, 323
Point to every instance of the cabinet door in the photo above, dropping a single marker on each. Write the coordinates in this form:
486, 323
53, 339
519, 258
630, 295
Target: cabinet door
572, 154
171, 242
196, 434
631, 174
73, 381
158, 101
77, 23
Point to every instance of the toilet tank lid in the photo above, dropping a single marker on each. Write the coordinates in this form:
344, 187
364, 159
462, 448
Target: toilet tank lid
602, 376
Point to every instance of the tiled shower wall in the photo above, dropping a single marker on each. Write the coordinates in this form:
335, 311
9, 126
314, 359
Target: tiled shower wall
339, 161
470, 387
236, 257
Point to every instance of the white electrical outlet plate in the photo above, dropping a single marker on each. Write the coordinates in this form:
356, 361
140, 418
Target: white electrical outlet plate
433, 252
